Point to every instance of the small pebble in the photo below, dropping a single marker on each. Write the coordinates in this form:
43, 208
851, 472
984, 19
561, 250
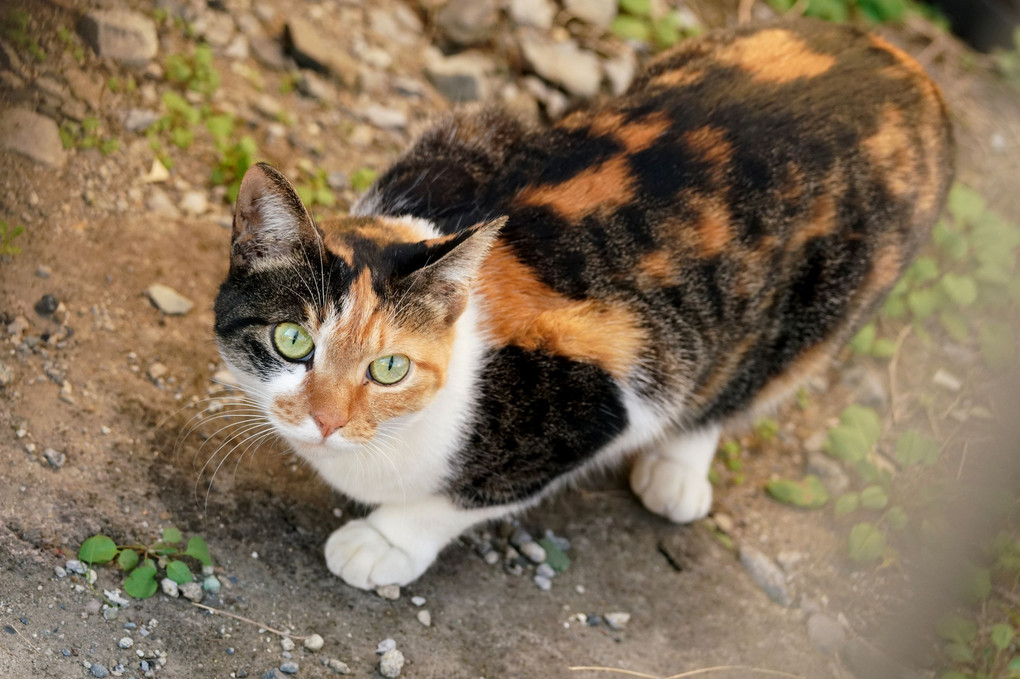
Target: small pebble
43, 271
391, 663
491, 558
111, 613
543, 583
546, 571
289, 667
766, 574
385, 645
391, 592
425, 618
230, 650
314, 642
46, 305
947, 380
533, 551
827, 635
99, 671
192, 591
93, 606
59, 572
211, 584
617, 620
55, 458
592, 620
520, 536
338, 666
418, 600
287, 643
126, 642
170, 588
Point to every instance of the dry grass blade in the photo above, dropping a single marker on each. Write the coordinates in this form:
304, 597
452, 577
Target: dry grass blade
267, 628
692, 673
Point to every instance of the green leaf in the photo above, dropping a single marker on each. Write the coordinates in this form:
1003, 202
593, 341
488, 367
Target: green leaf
141, 584
127, 559
1002, 635
896, 517
959, 653
806, 494
864, 339
895, 306
998, 345
874, 497
641, 8
866, 542
922, 303
171, 535
362, 179
627, 27
914, 448
199, 550
957, 629
979, 584
847, 443
830, 10
863, 418
179, 572
923, 270
97, 549
955, 324
554, 556
847, 503
965, 204
883, 348
667, 31
961, 289
953, 243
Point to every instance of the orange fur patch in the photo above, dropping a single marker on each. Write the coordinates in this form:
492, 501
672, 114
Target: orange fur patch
681, 77
604, 187
891, 149
821, 223
711, 145
531, 315
633, 136
656, 269
775, 55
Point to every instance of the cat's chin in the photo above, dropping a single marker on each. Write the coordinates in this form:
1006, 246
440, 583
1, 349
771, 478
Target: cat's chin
319, 448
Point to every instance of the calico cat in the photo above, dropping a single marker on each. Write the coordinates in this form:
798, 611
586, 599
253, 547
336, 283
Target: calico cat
509, 306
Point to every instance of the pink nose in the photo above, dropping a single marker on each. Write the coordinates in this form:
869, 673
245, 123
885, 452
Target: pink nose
329, 422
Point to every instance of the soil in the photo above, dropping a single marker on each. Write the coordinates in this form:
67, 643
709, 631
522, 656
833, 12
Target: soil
137, 461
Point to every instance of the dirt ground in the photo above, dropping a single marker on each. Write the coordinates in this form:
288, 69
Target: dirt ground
86, 381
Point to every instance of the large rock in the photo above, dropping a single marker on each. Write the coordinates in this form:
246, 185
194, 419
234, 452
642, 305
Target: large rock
564, 63
32, 135
461, 77
468, 22
123, 35
312, 49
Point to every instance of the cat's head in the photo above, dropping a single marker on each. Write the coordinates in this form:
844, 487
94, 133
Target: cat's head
338, 328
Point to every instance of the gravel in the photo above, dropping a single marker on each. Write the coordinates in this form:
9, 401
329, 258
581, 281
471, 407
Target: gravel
596, 12
126, 642
391, 662
546, 571
537, 13
563, 63
46, 305
766, 574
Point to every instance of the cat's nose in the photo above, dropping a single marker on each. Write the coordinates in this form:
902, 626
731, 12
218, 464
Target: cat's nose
329, 422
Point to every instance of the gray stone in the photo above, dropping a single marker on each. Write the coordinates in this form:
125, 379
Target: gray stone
461, 77
126, 36
237, 49
385, 646
159, 202
391, 592
766, 574
867, 385
32, 135
194, 203
468, 22
6, 375
211, 584
827, 635
829, 472
139, 119
391, 662
425, 618
313, 642
216, 27
55, 458
546, 571
192, 591
596, 12
620, 71
537, 13
170, 588
287, 644
289, 667
269, 53
617, 620
418, 600
126, 642
533, 551
314, 87
543, 583
168, 300
311, 49
99, 671
562, 63
386, 118
75, 566
338, 666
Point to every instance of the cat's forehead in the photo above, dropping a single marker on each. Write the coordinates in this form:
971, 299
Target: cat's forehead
357, 240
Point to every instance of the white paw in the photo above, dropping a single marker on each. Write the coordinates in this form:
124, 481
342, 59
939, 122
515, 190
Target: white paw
671, 489
364, 558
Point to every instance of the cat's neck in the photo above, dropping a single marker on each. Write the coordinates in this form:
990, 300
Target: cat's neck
412, 456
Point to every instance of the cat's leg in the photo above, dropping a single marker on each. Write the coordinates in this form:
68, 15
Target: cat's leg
672, 478
396, 543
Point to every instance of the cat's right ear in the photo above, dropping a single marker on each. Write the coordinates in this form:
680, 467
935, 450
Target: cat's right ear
270, 221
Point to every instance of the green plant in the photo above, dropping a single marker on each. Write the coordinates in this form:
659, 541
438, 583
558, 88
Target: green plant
71, 44
234, 159
1007, 62
195, 71
7, 235
636, 21
142, 563
362, 179
87, 135
316, 190
15, 27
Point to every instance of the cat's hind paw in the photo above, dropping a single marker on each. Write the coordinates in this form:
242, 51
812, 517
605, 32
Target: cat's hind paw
365, 559
671, 489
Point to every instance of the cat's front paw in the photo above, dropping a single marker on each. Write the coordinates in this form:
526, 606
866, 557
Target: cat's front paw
671, 488
364, 558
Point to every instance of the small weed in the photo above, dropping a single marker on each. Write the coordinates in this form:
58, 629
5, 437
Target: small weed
316, 190
15, 27
7, 235
195, 71
116, 84
71, 44
142, 563
86, 135
234, 160
637, 22
1007, 62
362, 179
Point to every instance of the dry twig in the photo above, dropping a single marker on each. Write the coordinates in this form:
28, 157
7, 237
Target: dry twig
692, 673
267, 628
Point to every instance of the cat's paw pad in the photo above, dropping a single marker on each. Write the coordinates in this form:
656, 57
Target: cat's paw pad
365, 559
671, 488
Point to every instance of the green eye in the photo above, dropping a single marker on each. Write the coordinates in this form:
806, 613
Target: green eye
292, 341
389, 369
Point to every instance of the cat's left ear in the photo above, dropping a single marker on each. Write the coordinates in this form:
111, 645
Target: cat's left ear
436, 274
270, 221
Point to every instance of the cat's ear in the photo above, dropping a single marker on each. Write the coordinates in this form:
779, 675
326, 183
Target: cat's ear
436, 275
270, 221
